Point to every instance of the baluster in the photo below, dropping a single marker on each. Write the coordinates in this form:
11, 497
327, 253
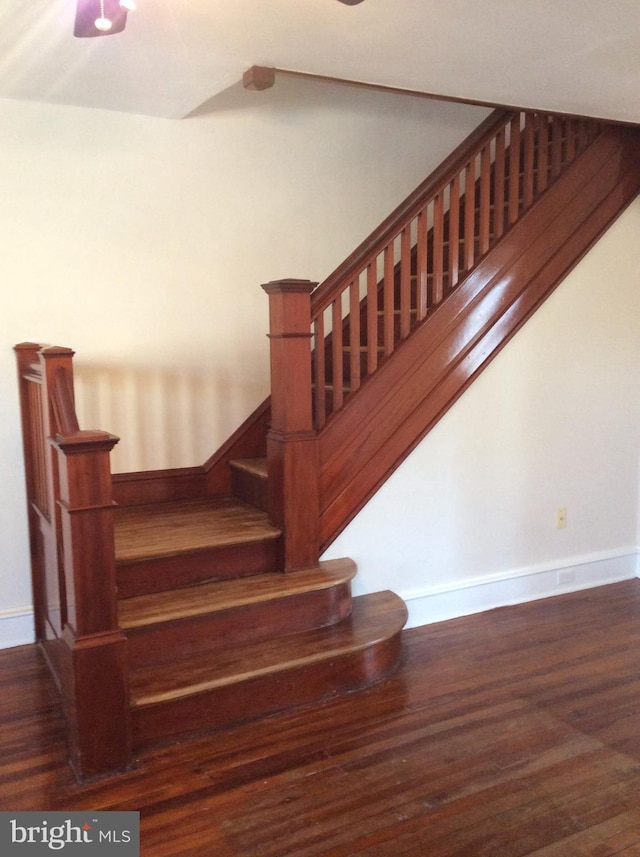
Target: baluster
543, 153
484, 229
571, 141
498, 184
514, 169
438, 249
405, 282
529, 141
470, 216
372, 318
454, 232
422, 262
337, 353
389, 301
556, 146
320, 370
355, 344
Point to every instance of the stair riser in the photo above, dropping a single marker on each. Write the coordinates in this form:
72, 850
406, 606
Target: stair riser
163, 573
250, 488
263, 695
159, 643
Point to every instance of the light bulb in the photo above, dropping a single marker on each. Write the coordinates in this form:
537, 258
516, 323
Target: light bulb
128, 5
103, 24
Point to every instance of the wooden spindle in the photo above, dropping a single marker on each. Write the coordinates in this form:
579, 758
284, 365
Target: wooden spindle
422, 261
528, 162
514, 168
556, 146
484, 229
320, 379
438, 249
389, 300
454, 232
542, 127
470, 216
372, 318
405, 282
499, 184
337, 353
355, 338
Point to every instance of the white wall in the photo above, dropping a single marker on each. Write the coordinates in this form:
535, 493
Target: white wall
141, 243
468, 522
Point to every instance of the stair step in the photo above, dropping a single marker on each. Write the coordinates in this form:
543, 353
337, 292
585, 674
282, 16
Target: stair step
164, 545
243, 682
228, 612
255, 466
250, 481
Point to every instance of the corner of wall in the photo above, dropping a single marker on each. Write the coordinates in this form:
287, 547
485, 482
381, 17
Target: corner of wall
16, 627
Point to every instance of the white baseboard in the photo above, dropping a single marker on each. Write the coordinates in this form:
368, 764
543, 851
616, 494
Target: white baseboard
16, 627
448, 601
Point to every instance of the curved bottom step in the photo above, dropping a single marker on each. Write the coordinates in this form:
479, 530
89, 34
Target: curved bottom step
216, 690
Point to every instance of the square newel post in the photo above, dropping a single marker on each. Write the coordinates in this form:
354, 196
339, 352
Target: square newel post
292, 448
96, 695
94, 679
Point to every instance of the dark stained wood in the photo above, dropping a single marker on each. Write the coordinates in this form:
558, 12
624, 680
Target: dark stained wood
450, 234
292, 454
212, 478
224, 613
139, 488
232, 684
158, 547
512, 732
250, 481
69, 488
408, 394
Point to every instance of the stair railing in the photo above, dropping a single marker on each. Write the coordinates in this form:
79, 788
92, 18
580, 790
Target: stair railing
326, 342
70, 509
418, 256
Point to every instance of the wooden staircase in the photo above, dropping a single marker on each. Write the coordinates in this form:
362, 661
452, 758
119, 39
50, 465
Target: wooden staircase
160, 598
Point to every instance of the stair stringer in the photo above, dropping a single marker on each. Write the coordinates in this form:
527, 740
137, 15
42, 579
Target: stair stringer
363, 443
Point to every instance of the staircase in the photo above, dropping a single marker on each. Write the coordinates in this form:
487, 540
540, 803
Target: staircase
167, 612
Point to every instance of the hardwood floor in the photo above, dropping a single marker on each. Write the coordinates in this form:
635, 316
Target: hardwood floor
514, 732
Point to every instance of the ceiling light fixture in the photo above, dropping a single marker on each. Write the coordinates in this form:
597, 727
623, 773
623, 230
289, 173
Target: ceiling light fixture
101, 17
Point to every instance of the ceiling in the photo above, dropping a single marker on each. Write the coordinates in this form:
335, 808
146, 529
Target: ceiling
578, 56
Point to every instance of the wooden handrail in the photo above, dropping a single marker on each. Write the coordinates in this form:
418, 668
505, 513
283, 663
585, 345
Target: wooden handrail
408, 209
421, 253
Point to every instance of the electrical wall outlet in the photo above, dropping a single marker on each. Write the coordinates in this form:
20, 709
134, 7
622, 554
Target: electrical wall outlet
561, 518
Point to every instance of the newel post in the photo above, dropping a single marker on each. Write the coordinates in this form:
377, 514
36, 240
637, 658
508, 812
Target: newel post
292, 448
95, 688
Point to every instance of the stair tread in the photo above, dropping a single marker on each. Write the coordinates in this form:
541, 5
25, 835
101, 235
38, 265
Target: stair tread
374, 619
143, 610
165, 529
255, 466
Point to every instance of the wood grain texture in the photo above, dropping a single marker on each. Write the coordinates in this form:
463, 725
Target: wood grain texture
227, 612
235, 684
436, 363
512, 733
169, 528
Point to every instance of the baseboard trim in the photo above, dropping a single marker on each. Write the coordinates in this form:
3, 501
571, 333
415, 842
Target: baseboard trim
448, 601
16, 627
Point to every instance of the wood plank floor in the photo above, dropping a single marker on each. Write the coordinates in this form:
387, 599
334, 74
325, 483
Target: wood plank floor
514, 732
